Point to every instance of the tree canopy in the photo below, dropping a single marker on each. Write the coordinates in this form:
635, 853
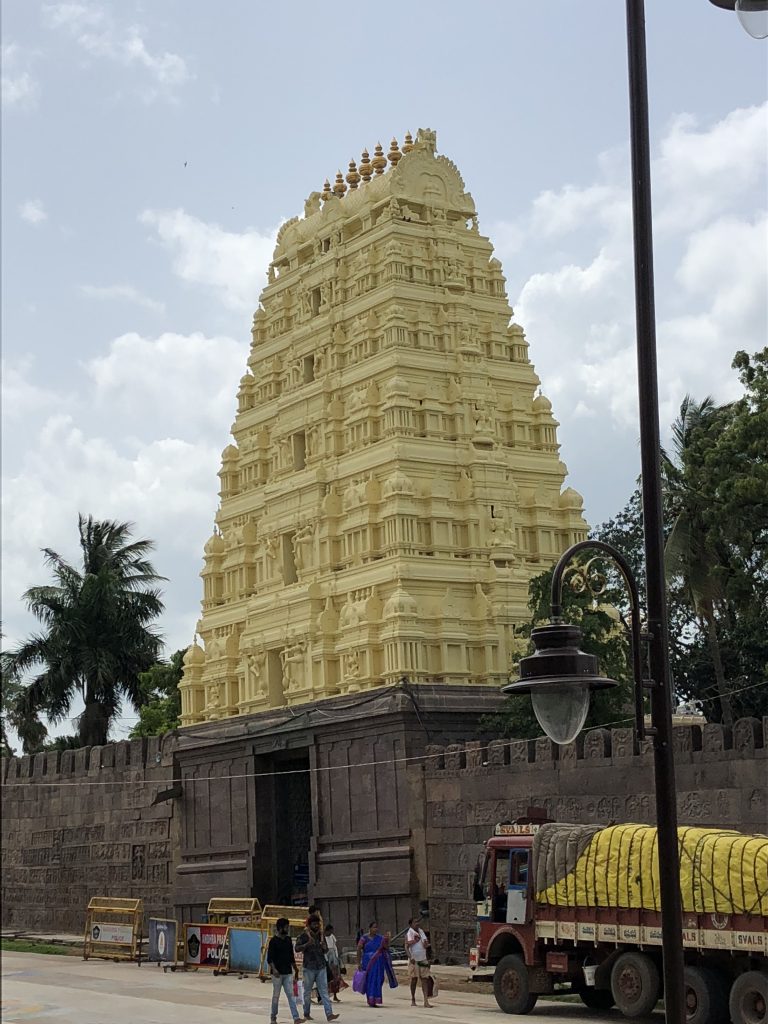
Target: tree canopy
97, 635
716, 481
161, 710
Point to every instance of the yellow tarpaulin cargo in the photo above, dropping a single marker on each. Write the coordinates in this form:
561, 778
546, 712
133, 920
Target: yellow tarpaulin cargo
588, 866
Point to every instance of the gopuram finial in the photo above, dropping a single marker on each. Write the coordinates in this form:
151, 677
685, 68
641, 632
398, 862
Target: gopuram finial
365, 167
339, 187
353, 178
408, 143
394, 153
379, 161
326, 194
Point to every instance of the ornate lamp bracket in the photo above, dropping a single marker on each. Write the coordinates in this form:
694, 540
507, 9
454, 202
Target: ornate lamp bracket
590, 579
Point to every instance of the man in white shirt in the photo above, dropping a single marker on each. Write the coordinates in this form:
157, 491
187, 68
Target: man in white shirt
416, 944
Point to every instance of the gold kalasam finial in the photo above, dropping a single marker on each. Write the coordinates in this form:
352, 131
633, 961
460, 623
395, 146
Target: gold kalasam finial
408, 143
353, 178
327, 194
379, 161
394, 153
339, 187
365, 167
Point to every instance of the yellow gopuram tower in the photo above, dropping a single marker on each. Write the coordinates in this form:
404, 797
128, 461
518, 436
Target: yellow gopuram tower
394, 483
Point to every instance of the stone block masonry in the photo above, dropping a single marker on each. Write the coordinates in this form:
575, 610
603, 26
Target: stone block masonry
722, 781
79, 823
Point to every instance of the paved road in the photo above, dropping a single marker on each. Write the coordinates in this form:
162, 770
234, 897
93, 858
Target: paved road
67, 990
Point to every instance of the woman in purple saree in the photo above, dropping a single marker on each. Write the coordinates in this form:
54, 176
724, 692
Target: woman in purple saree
374, 959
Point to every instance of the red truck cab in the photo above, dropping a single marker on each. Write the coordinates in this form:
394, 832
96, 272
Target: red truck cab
503, 895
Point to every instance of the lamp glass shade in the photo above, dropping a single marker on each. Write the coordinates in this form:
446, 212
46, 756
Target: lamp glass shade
753, 15
561, 710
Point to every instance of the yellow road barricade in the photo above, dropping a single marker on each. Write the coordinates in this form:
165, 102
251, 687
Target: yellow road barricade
230, 910
113, 928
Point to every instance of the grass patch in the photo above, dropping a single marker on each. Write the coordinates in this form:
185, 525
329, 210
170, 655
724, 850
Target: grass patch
32, 946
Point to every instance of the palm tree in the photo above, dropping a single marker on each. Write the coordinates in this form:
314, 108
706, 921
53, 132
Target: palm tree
97, 633
693, 552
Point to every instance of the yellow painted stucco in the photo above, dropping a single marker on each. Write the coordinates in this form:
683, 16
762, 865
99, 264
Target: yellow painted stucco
394, 480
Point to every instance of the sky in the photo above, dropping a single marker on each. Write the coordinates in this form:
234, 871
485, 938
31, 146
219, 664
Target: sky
151, 150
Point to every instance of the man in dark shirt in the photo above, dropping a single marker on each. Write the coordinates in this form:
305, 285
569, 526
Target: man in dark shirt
313, 947
282, 967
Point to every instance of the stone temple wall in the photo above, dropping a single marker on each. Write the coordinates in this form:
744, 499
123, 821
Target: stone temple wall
63, 844
722, 781
79, 823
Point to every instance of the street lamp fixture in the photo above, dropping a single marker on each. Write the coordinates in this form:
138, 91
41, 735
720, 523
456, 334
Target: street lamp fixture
559, 676
753, 15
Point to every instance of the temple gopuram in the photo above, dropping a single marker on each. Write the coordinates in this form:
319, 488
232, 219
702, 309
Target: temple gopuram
394, 481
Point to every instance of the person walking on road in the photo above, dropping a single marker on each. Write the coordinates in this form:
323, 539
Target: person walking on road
282, 967
417, 944
313, 948
375, 963
335, 981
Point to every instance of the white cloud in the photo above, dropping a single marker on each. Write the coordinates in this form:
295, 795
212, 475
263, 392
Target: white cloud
232, 264
556, 213
33, 211
96, 33
703, 172
125, 292
166, 487
728, 261
182, 383
141, 440
22, 399
20, 91
711, 274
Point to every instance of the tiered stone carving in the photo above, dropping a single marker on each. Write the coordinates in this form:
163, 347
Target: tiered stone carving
394, 481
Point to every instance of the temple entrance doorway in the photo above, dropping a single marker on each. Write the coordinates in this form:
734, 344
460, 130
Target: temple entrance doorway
284, 828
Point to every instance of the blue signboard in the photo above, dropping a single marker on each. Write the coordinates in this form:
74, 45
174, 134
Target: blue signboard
245, 949
162, 940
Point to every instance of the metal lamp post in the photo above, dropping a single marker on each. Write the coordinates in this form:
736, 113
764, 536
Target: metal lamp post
552, 684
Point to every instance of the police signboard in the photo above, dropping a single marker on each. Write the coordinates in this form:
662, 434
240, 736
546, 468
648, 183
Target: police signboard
102, 931
204, 944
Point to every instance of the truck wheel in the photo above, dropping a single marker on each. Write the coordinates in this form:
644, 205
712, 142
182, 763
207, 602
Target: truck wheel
597, 998
635, 984
510, 985
749, 998
706, 996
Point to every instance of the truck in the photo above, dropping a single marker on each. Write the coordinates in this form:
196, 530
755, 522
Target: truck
577, 908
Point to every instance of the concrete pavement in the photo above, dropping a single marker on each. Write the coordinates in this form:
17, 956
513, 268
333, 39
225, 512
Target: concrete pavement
67, 990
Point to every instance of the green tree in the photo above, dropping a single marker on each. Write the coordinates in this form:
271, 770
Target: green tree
97, 634
161, 710
694, 551
717, 480
10, 690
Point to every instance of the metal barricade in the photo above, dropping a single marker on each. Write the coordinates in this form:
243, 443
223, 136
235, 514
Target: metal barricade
230, 910
113, 928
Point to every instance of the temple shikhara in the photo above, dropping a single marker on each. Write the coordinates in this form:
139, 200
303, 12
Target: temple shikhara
394, 480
